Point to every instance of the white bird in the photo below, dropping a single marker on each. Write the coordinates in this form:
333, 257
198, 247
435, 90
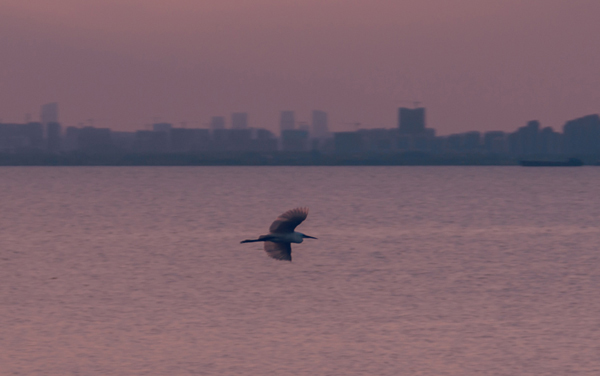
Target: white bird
281, 234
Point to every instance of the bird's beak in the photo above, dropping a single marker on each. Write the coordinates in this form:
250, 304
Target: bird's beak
310, 237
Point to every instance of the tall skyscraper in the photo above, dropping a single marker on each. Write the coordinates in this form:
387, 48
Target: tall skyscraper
320, 127
217, 122
411, 120
239, 120
49, 120
287, 120
49, 113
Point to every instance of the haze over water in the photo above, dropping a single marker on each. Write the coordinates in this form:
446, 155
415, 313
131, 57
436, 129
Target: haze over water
417, 271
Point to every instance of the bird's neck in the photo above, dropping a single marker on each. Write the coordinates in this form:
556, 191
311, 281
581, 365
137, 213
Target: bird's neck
297, 236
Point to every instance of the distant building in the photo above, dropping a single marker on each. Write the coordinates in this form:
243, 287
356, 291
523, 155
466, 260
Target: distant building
454, 142
34, 132
162, 127
240, 139
287, 121
220, 140
495, 142
53, 136
528, 140
94, 140
549, 141
189, 139
303, 126
49, 121
528, 137
165, 130
375, 140
70, 140
411, 121
437, 145
403, 142
49, 113
348, 142
471, 141
151, 142
421, 142
320, 126
123, 141
294, 140
265, 141
582, 135
239, 120
21, 137
264, 134
413, 135
217, 122
462, 142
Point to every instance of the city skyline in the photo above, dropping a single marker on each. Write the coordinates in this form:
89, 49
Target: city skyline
236, 142
474, 65
283, 119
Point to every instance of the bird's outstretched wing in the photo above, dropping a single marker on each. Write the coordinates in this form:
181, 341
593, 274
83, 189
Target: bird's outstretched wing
288, 221
279, 251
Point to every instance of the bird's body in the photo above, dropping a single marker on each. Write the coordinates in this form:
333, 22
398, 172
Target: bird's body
290, 237
282, 234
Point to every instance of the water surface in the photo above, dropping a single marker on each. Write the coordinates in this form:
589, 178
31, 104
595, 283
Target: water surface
417, 271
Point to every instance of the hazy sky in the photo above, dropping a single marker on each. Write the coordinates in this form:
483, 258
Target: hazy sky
474, 64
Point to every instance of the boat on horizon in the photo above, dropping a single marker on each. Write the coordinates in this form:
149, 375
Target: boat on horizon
571, 162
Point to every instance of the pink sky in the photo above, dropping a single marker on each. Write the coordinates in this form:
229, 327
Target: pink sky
474, 64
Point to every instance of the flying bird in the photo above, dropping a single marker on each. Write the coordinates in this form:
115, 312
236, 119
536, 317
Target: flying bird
282, 234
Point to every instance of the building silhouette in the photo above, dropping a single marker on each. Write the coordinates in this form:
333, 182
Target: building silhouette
240, 139
524, 141
94, 140
412, 133
304, 141
151, 142
162, 127
15, 138
53, 137
265, 140
582, 135
49, 113
287, 121
185, 140
348, 142
320, 126
49, 120
472, 141
549, 141
494, 142
371, 140
294, 140
411, 121
219, 140
122, 142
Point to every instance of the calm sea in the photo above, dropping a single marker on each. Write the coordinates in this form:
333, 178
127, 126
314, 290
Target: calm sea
417, 271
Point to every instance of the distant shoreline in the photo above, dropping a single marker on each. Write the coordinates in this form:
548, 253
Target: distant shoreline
264, 159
